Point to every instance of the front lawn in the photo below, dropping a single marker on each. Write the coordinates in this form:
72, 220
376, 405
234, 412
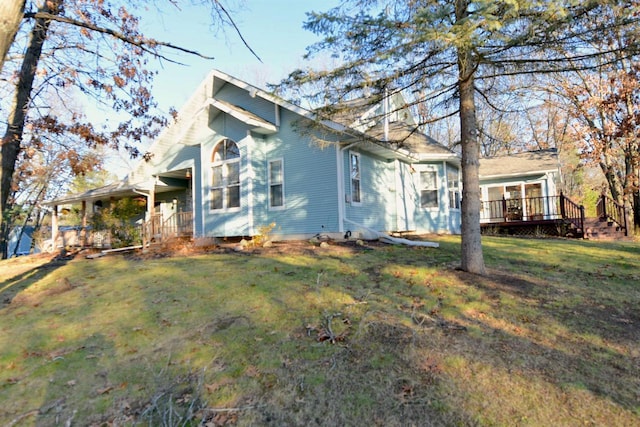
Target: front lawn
345, 335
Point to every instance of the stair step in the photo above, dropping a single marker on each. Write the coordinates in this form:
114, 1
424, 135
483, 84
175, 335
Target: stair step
601, 230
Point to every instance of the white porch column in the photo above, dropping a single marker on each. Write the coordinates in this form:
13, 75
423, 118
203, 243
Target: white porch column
54, 228
83, 230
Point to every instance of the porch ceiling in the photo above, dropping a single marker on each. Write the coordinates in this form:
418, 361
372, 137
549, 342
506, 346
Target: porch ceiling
167, 181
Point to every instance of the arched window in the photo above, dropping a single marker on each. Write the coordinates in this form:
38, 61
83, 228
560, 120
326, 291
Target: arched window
225, 181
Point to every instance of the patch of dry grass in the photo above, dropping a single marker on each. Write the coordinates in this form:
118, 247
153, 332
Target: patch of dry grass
345, 335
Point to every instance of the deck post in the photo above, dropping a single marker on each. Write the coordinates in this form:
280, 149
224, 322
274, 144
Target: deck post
626, 225
504, 208
582, 219
563, 213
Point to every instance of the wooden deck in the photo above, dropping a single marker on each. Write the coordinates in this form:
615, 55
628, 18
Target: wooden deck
533, 216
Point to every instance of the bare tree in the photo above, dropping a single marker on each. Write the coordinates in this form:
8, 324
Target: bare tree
98, 48
10, 17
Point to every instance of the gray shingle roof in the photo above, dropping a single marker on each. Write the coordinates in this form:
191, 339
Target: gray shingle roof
527, 163
403, 135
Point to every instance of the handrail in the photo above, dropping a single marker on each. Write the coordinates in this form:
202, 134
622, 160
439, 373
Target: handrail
176, 225
529, 209
572, 212
610, 210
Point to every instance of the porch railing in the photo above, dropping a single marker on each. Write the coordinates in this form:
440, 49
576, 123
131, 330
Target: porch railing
609, 210
529, 209
179, 224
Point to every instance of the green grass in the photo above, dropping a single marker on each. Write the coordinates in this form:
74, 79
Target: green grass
384, 335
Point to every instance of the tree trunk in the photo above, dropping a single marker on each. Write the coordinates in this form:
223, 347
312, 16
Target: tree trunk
11, 142
471, 256
11, 12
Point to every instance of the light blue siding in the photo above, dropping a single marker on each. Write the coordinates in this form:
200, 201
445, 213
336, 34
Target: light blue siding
376, 209
433, 220
310, 182
390, 193
240, 97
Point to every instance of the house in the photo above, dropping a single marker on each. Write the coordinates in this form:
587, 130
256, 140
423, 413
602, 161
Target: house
531, 176
520, 195
239, 159
20, 241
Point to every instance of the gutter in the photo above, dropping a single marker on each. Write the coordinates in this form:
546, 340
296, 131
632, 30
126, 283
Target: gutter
516, 174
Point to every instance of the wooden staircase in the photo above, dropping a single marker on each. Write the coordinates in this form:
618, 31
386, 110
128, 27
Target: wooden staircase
597, 229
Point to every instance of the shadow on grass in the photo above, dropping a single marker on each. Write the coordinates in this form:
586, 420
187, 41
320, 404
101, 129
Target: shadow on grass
596, 354
11, 287
393, 368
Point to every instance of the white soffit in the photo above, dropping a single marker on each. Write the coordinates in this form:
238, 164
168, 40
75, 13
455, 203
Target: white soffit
258, 124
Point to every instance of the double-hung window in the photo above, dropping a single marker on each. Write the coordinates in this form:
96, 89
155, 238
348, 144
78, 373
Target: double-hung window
428, 189
354, 161
276, 184
225, 181
453, 184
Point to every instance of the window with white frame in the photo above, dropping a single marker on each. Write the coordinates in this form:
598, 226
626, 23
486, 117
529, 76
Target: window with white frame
355, 165
428, 189
225, 176
276, 184
453, 184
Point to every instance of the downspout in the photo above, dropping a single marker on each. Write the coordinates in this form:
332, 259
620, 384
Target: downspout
386, 115
147, 196
54, 228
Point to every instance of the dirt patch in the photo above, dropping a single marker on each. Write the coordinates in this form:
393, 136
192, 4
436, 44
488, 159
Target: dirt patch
237, 246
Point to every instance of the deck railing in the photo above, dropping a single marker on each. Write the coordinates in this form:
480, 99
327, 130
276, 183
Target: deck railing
610, 210
529, 209
179, 224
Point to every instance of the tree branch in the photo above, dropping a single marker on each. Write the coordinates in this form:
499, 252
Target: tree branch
140, 42
237, 29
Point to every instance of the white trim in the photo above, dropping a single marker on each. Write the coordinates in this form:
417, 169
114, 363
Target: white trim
269, 162
448, 190
250, 178
433, 169
516, 174
361, 193
225, 186
258, 123
341, 192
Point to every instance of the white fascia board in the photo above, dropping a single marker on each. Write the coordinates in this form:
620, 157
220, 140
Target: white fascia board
244, 116
447, 157
517, 174
262, 94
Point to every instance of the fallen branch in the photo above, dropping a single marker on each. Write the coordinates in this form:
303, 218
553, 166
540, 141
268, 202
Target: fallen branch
238, 409
16, 420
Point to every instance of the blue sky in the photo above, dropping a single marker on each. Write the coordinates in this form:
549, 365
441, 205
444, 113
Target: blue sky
273, 29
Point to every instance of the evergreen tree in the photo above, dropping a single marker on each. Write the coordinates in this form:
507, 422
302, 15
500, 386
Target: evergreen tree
453, 52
